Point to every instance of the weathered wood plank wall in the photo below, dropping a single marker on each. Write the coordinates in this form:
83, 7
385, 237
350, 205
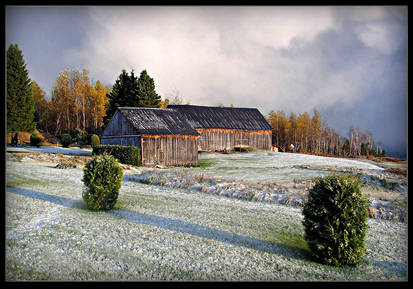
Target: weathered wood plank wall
121, 140
118, 126
228, 139
169, 150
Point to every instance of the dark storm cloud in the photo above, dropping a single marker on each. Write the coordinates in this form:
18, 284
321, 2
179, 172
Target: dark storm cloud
44, 34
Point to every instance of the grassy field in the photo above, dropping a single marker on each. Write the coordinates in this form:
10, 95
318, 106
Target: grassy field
160, 233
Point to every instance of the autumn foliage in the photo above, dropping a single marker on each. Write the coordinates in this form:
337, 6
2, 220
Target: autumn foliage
75, 103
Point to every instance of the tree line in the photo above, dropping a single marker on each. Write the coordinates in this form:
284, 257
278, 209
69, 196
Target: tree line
312, 135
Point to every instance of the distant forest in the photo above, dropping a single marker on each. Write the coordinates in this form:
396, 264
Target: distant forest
312, 135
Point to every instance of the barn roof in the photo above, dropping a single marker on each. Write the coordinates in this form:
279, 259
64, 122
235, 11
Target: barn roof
157, 121
223, 117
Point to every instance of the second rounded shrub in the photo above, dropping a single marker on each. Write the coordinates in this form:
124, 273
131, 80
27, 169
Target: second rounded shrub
79, 135
94, 140
35, 139
335, 220
66, 140
103, 179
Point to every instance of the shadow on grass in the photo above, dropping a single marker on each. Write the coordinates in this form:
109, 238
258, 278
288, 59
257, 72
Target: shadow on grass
176, 226
399, 270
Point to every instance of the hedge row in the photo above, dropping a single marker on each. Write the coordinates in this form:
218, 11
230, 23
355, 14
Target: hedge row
125, 154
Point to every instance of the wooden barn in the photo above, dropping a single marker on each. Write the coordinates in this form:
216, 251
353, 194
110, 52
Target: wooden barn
227, 128
164, 136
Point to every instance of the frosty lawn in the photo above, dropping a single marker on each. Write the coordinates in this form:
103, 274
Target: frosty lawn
51, 149
276, 167
160, 233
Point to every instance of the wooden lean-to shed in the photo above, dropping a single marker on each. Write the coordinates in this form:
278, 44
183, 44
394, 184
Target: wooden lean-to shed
164, 136
227, 128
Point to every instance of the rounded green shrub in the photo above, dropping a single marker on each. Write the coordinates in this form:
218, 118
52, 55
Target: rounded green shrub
94, 140
79, 135
35, 139
335, 220
66, 140
103, 179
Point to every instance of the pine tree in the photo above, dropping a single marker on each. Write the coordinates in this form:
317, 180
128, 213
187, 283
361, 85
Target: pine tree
123, 93
146, 91
20, 104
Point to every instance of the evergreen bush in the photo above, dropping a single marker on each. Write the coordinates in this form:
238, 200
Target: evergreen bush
35, 139
335, 220
125, 154
103, 179
94, 140
79, 135
66, 140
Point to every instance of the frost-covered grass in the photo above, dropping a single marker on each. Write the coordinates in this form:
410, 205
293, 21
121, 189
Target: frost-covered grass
51, 149
274, 166
159, 233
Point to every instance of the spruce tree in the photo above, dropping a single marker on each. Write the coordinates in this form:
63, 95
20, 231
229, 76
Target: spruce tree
20, 104
146, 91
130, 91
124, 93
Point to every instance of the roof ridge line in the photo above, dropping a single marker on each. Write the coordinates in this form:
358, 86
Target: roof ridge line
213, 106
132, 107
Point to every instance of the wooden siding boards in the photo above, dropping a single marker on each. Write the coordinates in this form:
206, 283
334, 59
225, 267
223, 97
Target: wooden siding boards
119, 125
212, 140
227, 140
122, 140
171, 150
224, 128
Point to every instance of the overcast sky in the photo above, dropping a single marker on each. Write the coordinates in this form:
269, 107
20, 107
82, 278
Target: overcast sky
348, 62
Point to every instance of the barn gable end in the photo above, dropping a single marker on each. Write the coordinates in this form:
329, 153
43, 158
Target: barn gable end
120, 131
